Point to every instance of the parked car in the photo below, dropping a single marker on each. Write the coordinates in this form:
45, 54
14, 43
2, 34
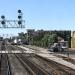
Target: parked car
60, 46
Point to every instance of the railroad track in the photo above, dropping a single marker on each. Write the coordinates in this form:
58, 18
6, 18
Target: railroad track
61, 69
33, 68
42, 64
66, 59
48, 67
5, 65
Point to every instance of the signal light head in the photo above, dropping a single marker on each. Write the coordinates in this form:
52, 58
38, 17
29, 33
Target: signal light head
19, 17
2, 22
3, 17
19, 11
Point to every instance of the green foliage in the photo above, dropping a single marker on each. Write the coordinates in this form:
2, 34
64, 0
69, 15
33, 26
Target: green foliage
45, 37
48, 38
45, 40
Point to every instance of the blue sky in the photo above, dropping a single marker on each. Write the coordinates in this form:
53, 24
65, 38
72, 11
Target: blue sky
40, 14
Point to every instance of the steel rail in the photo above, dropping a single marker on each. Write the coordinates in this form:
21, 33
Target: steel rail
35, 68
25, 65
62, 68
66, 58
54, 71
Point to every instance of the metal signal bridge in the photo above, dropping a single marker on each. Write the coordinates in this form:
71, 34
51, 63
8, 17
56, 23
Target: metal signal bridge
20, 23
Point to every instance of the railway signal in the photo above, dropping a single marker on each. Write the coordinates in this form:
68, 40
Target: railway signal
3, 21
3, 17
19, 11
20, 23
20, 18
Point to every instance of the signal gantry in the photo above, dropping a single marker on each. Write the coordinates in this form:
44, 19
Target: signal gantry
19, 23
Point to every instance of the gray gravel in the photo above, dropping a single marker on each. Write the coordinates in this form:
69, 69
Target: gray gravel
16, 67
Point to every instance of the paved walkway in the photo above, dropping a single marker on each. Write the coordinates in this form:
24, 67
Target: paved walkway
45, 53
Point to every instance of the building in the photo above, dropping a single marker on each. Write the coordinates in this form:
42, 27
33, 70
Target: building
73, 39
